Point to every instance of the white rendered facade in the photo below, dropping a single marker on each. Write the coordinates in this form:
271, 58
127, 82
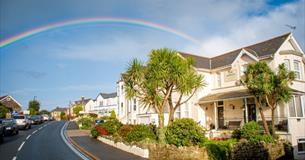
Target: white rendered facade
224, 102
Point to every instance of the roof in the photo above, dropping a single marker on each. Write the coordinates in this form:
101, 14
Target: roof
224, 96
108, 95
11, 103
262, 49
199, 62
82, 101
58, 109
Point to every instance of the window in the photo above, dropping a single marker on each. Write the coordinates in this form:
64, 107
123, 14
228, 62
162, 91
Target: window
218, 78
101, 103
122, 91
178, 112
243, 69
122, 107
297, 69
301, 145
287, 63
295, 107
186, 110
134, 104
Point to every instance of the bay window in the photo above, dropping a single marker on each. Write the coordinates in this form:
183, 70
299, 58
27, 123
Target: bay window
296, 106
297, 69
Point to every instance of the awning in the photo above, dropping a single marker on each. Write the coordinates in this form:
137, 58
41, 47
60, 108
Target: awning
234, 95
224, 96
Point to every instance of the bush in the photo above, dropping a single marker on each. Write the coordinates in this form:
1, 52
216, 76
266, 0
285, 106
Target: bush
112, 126
184, 132
125, 129
101, 131
236, 133
253, 132
94, 133
140, 133
219, 149
250, 150
85, 123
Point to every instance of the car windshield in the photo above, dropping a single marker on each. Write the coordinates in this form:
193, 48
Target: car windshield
7, 121
18, 117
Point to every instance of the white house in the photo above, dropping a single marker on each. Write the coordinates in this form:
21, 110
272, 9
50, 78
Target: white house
225, 104
104, 104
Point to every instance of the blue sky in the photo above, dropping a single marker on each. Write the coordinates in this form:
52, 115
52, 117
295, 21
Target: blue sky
63, 64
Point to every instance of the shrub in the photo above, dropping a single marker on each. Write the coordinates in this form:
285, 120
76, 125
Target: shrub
253, 132
93, 115
250, 130
251, 150
85, 122
94, 133
112, 115
125, 129
112, 126
139, 133
101, 131
184, 132
236, 133
219, 149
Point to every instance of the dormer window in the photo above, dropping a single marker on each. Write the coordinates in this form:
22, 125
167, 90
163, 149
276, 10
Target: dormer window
297, 69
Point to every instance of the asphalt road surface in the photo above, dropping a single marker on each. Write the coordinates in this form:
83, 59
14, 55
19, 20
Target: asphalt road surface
41, 142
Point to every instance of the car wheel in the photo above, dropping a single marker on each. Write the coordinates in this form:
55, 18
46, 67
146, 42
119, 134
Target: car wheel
1, 138
17, 131
30, 126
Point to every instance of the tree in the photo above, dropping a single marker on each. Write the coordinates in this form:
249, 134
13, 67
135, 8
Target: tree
112, 115
77, 109
3, 111
258, 79
154, 84
62, 115
34, 107
44, 112
268, 87
279, 91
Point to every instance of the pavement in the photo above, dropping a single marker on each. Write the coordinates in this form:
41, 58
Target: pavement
41, 142
95, 148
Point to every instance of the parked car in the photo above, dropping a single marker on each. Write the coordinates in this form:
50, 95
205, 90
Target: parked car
10, 127
37, 119
1, 131
23, 121
45, 117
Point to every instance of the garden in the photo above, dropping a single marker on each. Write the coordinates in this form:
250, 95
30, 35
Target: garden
185, 139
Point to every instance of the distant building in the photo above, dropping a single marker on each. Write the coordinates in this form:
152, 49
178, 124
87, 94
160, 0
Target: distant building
55, 113
82, 102
103, 105
9, 102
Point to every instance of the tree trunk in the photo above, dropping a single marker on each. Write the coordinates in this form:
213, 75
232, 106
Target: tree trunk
171, 115
272, 123
265, 125
161, 129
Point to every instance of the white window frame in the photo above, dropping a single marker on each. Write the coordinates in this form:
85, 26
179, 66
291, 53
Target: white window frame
218, 79
300, 140
295, 106
299, 69
243, 69
287, 65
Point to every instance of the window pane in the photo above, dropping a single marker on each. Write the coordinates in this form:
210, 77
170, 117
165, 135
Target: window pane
301, 147
296, 65
298, 106
287, 64
291, 108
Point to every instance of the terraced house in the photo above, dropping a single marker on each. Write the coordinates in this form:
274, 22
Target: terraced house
224, 104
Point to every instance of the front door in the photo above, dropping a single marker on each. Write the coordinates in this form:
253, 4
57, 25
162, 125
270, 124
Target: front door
220, 117
251, 112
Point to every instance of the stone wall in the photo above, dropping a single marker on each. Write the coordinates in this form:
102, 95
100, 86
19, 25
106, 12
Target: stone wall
169, 152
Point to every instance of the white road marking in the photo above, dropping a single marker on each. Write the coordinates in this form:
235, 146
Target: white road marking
21, 145
34, 132
40, 128
63, 136
28, 137
14, 158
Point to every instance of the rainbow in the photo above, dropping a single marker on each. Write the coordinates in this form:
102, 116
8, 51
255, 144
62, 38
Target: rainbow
135, 22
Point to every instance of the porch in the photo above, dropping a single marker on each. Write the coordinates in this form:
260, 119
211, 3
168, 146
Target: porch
225, 112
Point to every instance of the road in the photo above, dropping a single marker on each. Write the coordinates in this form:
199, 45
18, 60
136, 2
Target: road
41, 142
